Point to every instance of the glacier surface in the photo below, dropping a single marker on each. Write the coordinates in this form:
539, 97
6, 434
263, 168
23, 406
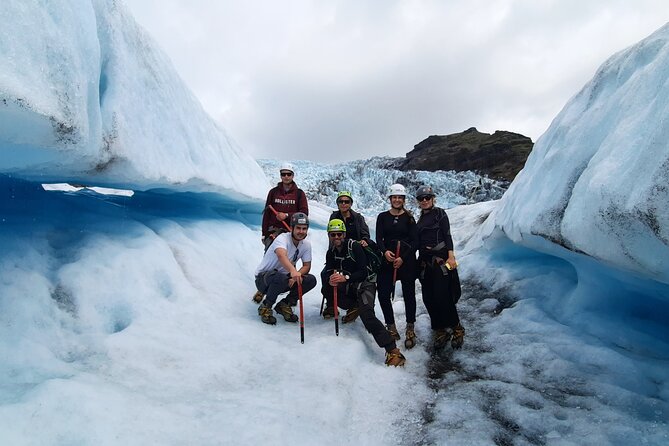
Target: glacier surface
125, 317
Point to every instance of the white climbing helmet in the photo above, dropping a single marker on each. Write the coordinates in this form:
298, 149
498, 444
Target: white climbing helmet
287, 166
397, 189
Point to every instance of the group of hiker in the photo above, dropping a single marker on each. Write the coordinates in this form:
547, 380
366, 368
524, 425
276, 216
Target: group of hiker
356, 267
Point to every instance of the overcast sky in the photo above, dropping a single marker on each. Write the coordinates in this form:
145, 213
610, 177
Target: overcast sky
336, 80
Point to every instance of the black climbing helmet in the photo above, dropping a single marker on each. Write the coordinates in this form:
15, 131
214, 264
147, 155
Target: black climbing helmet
299, 218
424, 191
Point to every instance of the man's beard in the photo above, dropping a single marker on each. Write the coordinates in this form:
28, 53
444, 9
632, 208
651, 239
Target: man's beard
299, 237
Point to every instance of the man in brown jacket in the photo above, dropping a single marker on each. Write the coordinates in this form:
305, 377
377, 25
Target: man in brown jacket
286, 199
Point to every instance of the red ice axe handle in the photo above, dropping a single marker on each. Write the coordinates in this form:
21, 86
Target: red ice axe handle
271, 208
336, 309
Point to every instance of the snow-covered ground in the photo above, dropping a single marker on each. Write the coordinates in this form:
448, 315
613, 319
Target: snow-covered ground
127, 318
123, 325
132, 323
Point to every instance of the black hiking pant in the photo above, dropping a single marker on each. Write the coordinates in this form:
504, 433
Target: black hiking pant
361, 295
406, 274
272, 283
437, 296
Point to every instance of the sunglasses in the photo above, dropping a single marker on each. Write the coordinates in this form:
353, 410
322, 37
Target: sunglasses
286, 174
344, 202
425, 198
336, 234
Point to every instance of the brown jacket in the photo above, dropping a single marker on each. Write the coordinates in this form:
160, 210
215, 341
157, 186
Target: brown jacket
290, 201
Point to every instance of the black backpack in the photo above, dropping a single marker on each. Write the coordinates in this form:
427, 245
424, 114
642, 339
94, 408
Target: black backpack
374, 258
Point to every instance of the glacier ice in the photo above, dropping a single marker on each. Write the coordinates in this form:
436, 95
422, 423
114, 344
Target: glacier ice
91, 100
596, 181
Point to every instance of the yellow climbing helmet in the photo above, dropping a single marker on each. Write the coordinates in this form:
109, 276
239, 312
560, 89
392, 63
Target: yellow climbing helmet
336, 225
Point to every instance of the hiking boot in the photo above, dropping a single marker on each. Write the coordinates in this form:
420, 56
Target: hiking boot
257, 297
393, 331
350, 315
410, 340
395, 358
441, 338
328, 313
286, 311
458, 336
265, 313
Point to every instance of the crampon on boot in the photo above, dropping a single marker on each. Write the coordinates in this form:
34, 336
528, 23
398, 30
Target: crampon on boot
350, 315
257, 297
328, 313
395, 358
441, 338
392, 329
265, 313
410, 339
286, 311
458, 336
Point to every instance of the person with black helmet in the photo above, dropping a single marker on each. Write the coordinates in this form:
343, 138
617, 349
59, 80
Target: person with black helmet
438, 274
286, 199
282, 202
346, 270
397, 227
278, 273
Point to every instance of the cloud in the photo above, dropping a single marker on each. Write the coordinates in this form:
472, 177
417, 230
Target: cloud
353, 79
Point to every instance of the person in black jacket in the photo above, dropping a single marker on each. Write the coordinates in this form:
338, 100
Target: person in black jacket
397, 227
346, 269
356, 227
438, 274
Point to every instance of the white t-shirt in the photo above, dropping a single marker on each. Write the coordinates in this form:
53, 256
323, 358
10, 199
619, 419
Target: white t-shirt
270, 260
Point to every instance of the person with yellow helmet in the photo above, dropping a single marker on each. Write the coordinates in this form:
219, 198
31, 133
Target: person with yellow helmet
356, 226
346, 271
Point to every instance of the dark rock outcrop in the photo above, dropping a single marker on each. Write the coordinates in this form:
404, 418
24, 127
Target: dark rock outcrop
500, 155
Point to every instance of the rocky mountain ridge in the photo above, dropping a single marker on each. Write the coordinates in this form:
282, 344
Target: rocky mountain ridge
500, 155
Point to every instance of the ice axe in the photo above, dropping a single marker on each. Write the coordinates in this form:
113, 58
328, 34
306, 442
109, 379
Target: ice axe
397, 254
299, 295
336, 308
271, 208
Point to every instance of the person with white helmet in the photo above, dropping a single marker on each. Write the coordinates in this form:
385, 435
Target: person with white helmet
278, 272
397, 227
286, 199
